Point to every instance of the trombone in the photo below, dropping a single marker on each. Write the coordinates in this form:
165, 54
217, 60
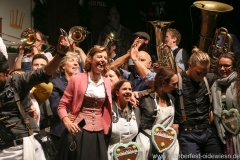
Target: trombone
76, 33
27, 38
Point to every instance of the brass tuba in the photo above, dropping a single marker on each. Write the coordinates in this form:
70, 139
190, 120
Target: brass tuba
211, 12
216, 49
164, 52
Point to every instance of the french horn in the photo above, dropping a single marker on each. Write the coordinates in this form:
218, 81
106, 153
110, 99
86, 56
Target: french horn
110, 39
216, 49
164, 52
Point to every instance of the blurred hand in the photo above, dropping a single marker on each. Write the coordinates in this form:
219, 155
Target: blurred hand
134, 50
134, 100
72, 47
33, 113
137, 41
63, 45
72, 128
155, 66
35, 50
175, 127
21, 49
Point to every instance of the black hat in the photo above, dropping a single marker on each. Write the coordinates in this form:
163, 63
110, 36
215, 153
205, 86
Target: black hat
143, 35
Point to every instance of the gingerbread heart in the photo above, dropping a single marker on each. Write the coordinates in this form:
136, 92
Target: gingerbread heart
129, 151
231, 120
163, 138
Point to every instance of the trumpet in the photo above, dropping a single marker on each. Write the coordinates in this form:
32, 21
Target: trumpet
27, 38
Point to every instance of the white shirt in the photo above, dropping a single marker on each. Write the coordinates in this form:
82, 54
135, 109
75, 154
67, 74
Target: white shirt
95, 90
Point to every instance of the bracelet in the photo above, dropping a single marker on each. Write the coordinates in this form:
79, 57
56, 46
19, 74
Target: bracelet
61, 55
135, 59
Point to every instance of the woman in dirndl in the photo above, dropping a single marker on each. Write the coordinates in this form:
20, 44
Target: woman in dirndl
125, 121
87, 98
156, 106
226, 99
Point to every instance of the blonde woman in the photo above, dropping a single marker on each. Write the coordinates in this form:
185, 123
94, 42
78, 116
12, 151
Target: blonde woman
68, 67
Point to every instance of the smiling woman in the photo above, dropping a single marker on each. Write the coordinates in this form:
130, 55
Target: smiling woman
226, 64
126, 119
68, 67
225, 92
87, 97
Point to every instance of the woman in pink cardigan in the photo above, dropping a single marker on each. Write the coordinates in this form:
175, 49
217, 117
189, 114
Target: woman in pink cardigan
87, 97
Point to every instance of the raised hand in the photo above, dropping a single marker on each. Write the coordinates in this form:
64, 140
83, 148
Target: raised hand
63, 45
134, 50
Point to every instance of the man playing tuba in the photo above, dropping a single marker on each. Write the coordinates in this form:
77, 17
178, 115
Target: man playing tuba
172, 39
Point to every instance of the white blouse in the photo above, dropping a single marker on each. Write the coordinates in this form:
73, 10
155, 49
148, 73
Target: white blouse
95, 90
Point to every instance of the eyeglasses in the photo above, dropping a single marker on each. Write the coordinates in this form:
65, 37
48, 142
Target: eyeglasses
224, 66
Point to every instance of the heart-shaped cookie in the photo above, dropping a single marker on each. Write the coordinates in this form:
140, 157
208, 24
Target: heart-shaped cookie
129, 151
163, 138
231, 120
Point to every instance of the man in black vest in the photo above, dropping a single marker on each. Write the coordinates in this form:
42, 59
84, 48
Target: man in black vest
197, 136
172, 39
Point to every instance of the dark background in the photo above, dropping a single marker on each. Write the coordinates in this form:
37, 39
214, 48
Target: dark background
134, 14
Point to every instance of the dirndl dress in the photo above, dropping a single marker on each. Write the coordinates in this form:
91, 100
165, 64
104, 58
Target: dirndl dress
90, 143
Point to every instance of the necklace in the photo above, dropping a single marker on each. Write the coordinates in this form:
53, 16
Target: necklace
127, 118
124, 112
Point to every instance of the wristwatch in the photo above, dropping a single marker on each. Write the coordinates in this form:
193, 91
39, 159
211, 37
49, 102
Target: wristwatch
135, 59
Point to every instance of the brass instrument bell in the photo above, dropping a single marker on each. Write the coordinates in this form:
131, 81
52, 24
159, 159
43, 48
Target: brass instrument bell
211, 12
110, 38
78, 34
164, 52
28, 37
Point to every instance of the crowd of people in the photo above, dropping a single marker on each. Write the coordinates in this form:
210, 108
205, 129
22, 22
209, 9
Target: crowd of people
107, 108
